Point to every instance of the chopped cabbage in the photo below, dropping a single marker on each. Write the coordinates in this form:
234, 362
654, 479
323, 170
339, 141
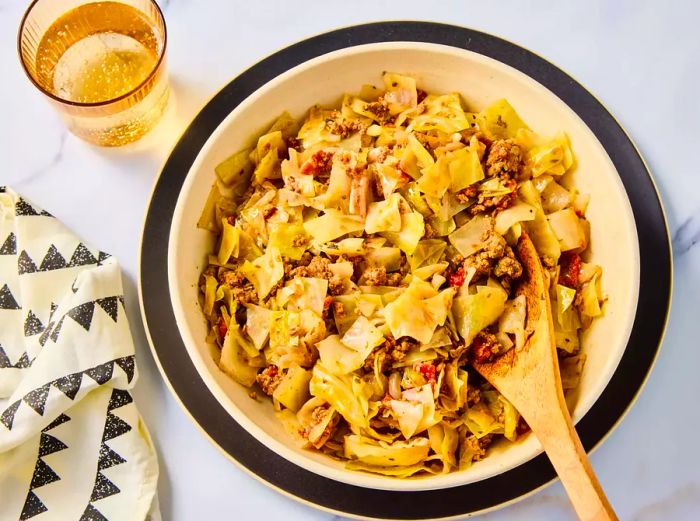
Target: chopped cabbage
289, 239
500, 121
401, 92
567, 228
384, 216
428, 251
258, 320
472, 313
293, 389
436, 178
465, 169
399, 453
333, 224
304, 293
338, 391
519, 212
442, 113
235, 360
264, 272
412, 229
469, 239
481, 422
418, 311
512, 320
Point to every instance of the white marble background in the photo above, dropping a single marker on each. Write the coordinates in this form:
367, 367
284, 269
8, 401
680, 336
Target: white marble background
642, 58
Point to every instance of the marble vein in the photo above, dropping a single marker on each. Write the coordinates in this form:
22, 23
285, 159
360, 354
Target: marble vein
674, 506
687, 235
53, 162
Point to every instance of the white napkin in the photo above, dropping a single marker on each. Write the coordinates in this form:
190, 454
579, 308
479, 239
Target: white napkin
72, 444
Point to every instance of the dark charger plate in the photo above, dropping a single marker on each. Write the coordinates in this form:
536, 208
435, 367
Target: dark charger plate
200, 404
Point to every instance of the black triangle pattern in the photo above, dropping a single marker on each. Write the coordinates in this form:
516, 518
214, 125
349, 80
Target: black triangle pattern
56, 330
119, 398
128, 365
23, 361
9, 247
45, 213
36, 399
7, 300
53, 260
101, 373
32, 325
108, 458
43, 475
81, 257
54, 307
101, 257
69, 385
114, 426
82, 314
4, 359
103, 488
109, 305
92, 514
22, 207
45, 335
49, 444
25, 264
60, 420
8, 415
32, 507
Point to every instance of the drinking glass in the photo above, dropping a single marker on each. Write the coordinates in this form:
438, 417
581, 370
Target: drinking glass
101, 64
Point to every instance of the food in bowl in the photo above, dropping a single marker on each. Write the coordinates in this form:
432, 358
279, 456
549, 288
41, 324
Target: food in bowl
364, 258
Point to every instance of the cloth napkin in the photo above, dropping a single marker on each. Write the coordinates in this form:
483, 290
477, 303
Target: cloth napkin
72, 444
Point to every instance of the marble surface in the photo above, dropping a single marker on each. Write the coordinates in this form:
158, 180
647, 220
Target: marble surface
641, 58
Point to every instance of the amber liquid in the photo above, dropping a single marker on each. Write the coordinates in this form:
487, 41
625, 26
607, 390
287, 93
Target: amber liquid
102, 52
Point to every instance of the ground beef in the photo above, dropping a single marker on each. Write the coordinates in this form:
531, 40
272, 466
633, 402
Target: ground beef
375, 276
430, 232
319, 163
465, 196
480, 262
295, 143
300, 240
318, 268
380, 109
394, 279
478, 447
381, 354
497, 259
242, 290
269, 378
473, 395
397, 349
318, 415
488, 204
484, 347
508, 266
345, 127
504, 159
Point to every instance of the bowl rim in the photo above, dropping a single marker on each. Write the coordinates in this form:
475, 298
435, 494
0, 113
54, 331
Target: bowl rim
526, 62
193, 345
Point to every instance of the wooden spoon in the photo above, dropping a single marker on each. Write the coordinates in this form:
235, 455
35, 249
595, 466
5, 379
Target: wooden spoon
529, 378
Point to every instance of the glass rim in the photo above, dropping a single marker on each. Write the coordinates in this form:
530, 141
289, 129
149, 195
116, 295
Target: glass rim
149, 77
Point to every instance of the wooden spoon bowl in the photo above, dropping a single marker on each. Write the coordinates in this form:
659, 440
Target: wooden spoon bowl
529, 378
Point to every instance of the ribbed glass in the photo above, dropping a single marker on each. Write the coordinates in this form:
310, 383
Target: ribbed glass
52, 27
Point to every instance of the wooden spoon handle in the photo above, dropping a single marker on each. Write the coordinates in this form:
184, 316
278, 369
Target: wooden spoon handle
563, 446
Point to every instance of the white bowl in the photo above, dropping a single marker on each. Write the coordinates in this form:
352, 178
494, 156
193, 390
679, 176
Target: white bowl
440, 69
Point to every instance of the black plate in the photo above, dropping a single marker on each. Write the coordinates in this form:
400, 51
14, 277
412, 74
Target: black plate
652, 309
